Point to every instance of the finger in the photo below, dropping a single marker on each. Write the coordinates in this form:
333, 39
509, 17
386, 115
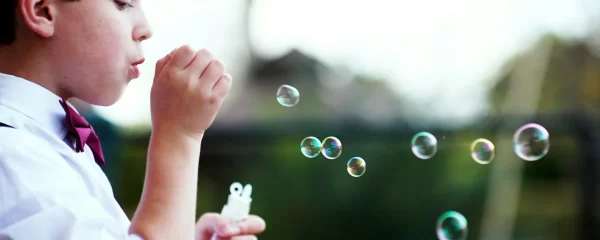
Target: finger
211, 223
212, 74
200, 63
182, 57
249, 237
160, 64
250, 226
222, 86
173, 52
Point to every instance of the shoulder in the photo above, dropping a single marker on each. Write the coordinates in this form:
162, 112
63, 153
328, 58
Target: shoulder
33, 176
31, 156
40, 190
29, 163
24, 146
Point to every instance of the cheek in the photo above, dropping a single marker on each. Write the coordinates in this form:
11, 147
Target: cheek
105, 55
104, 47
91, 54
93, 51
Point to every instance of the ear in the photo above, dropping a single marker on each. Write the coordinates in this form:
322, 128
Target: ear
38, 15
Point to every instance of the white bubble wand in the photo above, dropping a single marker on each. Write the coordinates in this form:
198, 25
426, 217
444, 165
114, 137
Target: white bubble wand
238, 204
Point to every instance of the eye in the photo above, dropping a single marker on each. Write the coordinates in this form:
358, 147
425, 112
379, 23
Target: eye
122, 4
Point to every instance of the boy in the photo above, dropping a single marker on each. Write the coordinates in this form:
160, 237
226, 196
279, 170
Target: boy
50, 184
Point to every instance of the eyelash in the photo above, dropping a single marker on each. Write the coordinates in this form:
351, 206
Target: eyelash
123, 5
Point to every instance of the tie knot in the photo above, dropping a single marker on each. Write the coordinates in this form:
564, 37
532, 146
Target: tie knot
83, 132
74, 120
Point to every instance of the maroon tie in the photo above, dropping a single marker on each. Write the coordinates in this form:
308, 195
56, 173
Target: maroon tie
84, 133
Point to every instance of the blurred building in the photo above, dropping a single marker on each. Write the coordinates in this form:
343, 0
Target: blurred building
326, 93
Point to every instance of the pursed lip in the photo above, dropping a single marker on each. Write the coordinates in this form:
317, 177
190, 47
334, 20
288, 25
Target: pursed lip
138, 62
134, 70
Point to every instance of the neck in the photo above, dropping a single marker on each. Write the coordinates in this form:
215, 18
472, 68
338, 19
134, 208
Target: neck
28, 60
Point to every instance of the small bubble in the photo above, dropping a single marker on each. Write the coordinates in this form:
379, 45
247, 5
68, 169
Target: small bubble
532, 142
451, 226
482, 151
332, 148
356, 166
288, 96
311, 147
424, 145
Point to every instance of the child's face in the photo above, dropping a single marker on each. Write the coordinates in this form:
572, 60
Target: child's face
96, 43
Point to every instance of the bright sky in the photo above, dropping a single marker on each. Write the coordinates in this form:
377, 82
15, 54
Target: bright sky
440, 50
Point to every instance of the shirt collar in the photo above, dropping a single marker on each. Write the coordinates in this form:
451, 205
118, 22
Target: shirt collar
34, 101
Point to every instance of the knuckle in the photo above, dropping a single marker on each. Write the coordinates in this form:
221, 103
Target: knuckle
227, 78
205, 53
216, 66
219, 64
187, 50
227, 81
227, 86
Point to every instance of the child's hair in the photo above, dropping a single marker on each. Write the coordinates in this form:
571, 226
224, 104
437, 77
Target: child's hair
8, 21
8, 10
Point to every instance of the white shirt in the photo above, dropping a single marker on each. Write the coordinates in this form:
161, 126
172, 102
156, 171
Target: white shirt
47, 190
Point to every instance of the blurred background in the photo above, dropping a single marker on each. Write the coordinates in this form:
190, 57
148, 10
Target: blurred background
374, 74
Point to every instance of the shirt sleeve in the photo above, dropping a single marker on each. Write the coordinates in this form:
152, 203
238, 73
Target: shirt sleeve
41, 200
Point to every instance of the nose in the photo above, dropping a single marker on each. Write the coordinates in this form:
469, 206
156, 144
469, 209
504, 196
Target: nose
142, 31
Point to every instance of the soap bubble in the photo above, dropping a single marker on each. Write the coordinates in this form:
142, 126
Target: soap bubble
288, 96
356, 166
451, 226
482, 151
532, 142
332, 148
311, 147
424, 145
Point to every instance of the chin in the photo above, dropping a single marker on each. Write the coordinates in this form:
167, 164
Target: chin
109, 98
109, 101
